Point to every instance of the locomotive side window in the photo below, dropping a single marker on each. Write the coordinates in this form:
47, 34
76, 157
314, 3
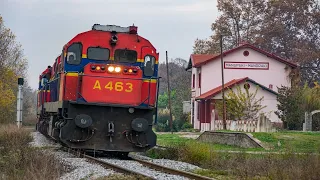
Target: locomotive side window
98, 53
74, 54
149, 62
61, 62
124, 55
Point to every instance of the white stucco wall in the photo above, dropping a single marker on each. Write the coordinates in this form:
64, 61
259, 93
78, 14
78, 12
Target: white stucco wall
269, 100
276, 75
194, 93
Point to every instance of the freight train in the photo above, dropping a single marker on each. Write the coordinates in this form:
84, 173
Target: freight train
101, 92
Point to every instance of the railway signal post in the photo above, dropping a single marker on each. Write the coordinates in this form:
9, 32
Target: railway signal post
19, 102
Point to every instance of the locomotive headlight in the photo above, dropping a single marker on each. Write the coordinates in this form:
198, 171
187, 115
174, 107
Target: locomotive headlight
98, 68
110, 68
130, 70
117, 69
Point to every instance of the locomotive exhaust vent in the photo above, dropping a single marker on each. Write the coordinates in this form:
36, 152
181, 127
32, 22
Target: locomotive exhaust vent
113, 40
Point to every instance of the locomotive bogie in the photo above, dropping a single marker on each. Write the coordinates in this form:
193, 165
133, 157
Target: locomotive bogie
108, 128
101, 127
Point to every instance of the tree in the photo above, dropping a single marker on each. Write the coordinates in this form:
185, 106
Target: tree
311, 97
294, 102
180, 82
289, 29
12, 65
289, 107
240, 21
164, 98
242, 105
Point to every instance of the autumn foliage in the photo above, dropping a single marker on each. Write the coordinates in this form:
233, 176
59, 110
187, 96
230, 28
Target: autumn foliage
12, 65
286, 28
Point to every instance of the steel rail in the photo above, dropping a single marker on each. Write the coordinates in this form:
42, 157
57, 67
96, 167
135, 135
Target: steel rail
143, 162
116, 167
107, 164
170, 170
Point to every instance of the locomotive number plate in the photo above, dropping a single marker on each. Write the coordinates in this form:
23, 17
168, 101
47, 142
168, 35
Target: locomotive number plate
114, 86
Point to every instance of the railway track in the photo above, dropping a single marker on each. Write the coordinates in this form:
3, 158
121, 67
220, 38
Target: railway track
171, 170
148, 164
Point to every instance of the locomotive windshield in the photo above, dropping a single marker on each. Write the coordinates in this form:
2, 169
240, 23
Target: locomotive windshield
97, 53
125, 55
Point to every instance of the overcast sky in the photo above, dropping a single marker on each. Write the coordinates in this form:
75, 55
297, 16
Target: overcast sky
44, 26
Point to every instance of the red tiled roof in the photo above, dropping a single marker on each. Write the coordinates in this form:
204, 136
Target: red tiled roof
217, 90
200, 59
230, 84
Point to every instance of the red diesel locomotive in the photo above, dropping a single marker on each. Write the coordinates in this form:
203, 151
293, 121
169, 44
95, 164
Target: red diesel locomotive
101, 92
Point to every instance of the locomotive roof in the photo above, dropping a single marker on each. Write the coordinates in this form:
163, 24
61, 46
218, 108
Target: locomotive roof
114, 28
98, 34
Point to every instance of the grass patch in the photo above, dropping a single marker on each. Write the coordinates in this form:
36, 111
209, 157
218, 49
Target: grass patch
286, 141
170, 140
174, 140
305, 142
223, 165
20, 161
243, 165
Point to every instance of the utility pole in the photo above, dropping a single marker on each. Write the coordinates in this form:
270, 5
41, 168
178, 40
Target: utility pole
222, 76
19, 102
169, 98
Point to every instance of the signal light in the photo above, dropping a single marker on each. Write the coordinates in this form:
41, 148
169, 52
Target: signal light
130, 70
97, 68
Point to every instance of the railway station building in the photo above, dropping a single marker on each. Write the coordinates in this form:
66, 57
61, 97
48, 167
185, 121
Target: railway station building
246, 66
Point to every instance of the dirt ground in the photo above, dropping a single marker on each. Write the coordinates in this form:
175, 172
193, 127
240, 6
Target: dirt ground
191, 135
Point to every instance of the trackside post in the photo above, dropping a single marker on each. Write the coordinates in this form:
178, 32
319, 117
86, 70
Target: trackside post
19, 102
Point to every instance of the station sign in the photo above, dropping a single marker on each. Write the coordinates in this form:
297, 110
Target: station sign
247, 65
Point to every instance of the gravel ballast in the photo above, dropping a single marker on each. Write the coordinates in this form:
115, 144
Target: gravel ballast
182, 166
39, 140
137, 167
79, 168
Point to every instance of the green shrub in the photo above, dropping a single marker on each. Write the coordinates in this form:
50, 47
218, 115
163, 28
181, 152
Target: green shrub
186, 125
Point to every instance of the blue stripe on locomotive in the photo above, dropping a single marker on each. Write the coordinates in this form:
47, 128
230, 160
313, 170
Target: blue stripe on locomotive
85, 61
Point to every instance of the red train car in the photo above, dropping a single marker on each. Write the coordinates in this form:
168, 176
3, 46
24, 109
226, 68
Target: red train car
101, 92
